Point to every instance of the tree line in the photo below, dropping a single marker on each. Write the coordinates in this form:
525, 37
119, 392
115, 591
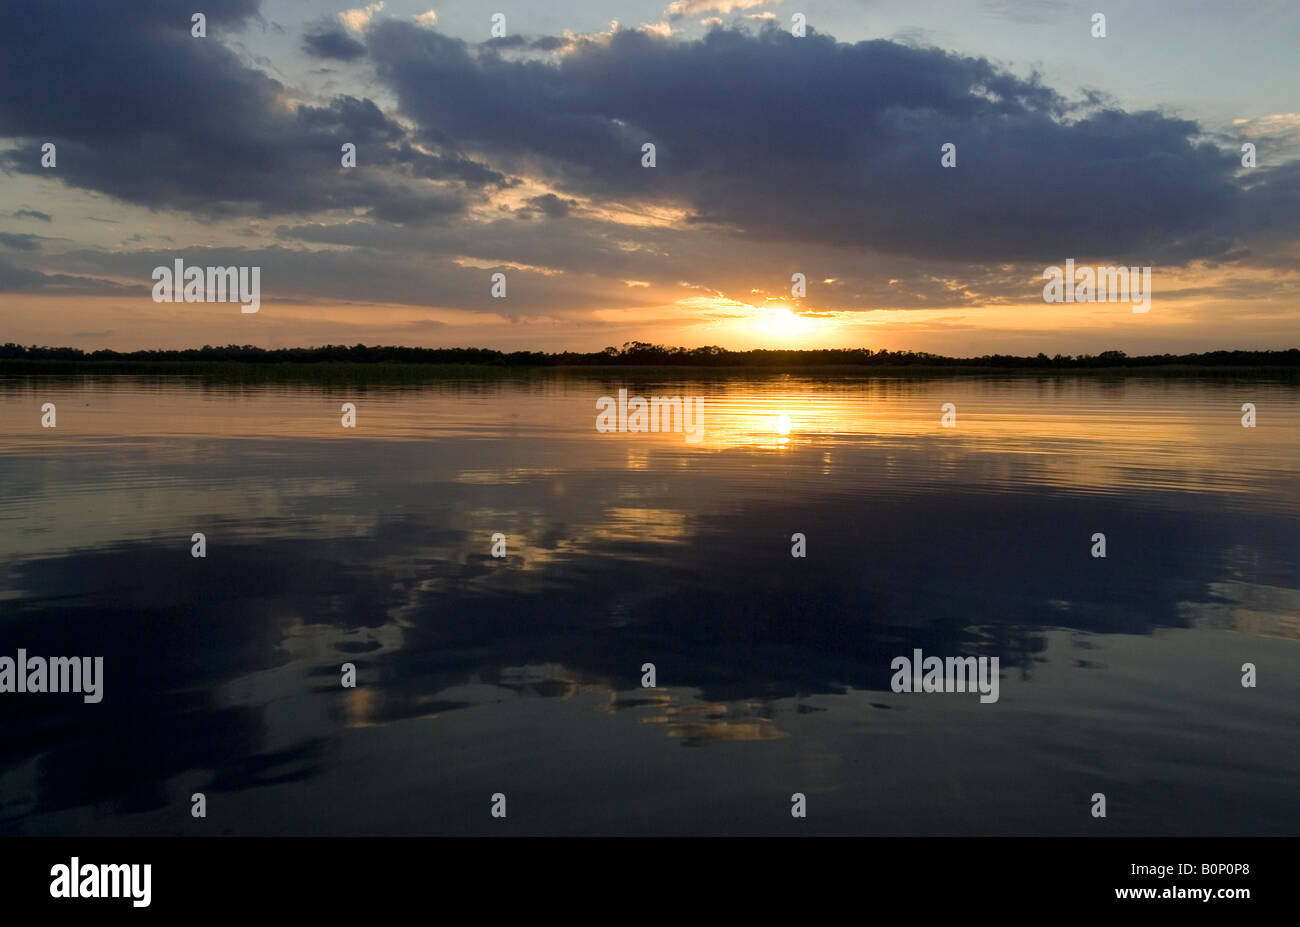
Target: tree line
640, 353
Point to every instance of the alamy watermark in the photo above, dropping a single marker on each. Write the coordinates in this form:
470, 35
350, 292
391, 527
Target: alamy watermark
105, 880
637, 415
53, 674
1098, 285
193, 284
953, 674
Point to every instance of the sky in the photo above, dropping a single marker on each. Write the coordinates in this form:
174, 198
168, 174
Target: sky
775, 155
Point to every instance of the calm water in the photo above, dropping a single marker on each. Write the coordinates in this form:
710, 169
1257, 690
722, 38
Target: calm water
522, 675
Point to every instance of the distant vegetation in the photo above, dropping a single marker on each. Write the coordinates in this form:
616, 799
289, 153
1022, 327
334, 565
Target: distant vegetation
14, 357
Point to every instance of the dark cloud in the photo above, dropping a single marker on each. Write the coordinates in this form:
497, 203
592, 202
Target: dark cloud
19, 278
472, 174
361, 275
20, 242
14, 278
786, 154
332, 42
551, 206
1272, 199
144, 112
549, 43
506, 41
33, 214
592, 250
811, 139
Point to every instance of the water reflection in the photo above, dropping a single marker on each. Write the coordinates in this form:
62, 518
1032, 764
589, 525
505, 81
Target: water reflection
373, 547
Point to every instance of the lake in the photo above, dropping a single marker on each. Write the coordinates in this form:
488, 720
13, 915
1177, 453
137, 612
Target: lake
523, 674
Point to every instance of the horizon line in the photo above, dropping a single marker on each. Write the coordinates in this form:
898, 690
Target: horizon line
632, 352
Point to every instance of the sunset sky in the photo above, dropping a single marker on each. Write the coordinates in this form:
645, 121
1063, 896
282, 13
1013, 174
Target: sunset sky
775, 155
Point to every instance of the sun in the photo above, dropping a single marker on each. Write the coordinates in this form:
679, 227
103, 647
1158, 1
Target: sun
784, 323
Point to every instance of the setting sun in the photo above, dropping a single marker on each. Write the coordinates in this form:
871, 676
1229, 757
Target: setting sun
784, 323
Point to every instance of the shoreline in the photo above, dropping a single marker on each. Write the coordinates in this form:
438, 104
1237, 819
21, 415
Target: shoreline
386, 372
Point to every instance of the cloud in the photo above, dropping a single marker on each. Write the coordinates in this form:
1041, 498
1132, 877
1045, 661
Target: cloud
365, 276
679, 8
16, 279
21, 242
425, 20
33, 214
775, 155
217, 137
359, 18
1275, 135
331, 42
551, 205
764, 135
